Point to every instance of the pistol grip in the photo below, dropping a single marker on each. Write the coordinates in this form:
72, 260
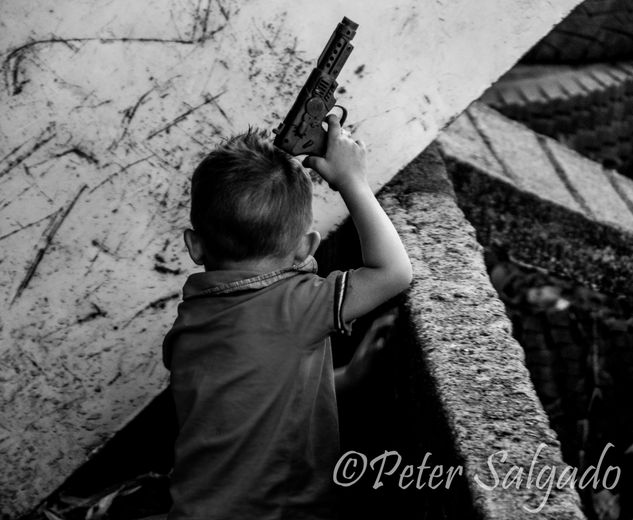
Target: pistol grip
317, 145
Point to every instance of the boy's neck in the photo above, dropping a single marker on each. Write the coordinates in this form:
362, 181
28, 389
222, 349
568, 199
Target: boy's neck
263, 265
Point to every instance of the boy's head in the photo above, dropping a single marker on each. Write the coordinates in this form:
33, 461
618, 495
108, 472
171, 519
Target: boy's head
249, 200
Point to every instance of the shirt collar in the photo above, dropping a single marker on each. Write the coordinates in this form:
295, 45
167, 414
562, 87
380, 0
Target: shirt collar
211, 283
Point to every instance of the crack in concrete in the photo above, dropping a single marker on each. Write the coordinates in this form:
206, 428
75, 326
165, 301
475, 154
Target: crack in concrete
156, 304
79, 153
207, 99
121, 170
46, 240
12, 59
40, 141
128, 115
26, 226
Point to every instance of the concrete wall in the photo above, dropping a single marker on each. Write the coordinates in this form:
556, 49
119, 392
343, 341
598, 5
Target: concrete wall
107, 108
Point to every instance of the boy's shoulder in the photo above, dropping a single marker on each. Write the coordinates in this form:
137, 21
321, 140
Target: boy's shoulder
297, 299
296, 292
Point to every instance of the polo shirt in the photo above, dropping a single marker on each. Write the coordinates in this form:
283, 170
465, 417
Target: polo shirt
253, 383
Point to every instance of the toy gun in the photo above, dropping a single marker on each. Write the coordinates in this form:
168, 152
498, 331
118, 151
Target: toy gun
301, 131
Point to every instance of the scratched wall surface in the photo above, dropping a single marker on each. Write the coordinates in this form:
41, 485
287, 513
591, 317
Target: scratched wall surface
107, 108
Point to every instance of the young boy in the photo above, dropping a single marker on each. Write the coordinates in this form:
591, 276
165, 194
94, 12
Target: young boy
249, 354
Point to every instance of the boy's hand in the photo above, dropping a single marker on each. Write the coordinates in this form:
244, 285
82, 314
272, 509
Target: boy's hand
345, 159
386, 269
373, 341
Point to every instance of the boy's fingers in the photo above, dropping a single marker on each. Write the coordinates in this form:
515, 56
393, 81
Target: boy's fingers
384, 321
313, 162
333, 121
370, 343
379, 329
333, 127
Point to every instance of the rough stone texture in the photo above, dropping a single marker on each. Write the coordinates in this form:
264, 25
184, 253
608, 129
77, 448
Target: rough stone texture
467, 142
582, 233
107, 108
476, 368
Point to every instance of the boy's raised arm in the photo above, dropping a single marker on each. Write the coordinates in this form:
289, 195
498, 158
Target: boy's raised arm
386, 267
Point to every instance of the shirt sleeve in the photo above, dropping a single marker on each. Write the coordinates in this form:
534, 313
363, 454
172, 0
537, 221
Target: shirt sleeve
318, 304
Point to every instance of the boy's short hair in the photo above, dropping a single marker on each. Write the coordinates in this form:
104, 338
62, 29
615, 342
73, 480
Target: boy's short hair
249, 199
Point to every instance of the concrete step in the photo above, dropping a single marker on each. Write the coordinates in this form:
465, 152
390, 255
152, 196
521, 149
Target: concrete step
588, 107
596, 30
551, 206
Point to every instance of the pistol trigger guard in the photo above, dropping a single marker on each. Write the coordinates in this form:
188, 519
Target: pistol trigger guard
343, 115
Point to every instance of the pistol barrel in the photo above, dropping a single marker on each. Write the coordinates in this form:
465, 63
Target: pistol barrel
338, 48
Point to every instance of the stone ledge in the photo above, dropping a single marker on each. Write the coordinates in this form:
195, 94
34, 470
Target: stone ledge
476, 368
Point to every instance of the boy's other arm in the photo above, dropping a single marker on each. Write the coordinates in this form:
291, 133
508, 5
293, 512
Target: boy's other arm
386, 267
359, 367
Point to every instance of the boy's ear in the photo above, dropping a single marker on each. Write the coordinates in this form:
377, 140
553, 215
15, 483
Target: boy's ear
308, 246
194, 246
313, 239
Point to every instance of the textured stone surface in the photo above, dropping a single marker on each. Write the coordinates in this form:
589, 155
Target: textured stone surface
467, 142
540, 166
477, 368
107, 108
587, 240
520, 153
